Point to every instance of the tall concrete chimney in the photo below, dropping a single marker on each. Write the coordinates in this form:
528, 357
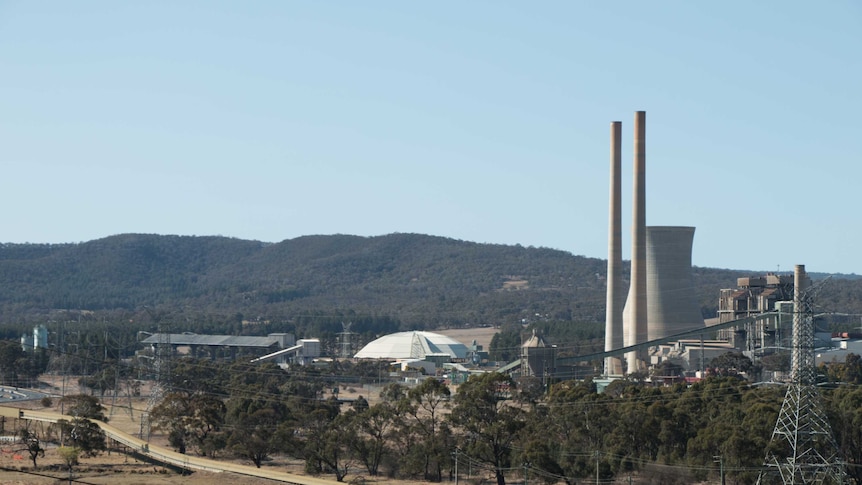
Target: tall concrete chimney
614, 307
635, 326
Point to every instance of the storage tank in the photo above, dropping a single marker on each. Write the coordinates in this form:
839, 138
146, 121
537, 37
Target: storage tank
26, 343
40, 337
672, 305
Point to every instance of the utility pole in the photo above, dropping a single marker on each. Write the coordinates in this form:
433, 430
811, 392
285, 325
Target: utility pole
120, 348
598, 454
456, 466
720, 460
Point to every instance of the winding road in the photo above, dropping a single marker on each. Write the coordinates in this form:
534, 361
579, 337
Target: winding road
166, 456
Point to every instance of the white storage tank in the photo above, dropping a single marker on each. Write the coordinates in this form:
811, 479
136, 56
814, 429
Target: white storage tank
27, 343
40, 337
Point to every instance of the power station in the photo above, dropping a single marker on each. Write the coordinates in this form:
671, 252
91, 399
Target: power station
661, 299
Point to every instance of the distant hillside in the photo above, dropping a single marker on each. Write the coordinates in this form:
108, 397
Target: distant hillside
421, 281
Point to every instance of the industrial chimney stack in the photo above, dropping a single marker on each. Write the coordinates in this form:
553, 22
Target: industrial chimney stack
635, 325
614, 313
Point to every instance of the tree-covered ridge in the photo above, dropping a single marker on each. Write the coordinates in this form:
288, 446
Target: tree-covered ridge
421, 281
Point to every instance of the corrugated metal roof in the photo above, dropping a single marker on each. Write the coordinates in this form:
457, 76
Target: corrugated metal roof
211, 340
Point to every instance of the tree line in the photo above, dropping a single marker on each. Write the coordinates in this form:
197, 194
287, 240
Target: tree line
491, 426
498, 427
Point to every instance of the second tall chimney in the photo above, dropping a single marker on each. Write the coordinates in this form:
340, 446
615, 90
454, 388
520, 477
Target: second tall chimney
635, 331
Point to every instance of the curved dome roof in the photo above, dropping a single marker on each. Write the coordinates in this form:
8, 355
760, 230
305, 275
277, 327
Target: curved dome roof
412, 345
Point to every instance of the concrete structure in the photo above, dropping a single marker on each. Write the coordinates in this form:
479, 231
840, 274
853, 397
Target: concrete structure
476, 354
427, 368
752, 296
614, 313
692, 354
537, 357
635, 310
661, 300
672, 305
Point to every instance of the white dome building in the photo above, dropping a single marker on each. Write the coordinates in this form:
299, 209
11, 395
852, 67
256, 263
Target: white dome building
412, 345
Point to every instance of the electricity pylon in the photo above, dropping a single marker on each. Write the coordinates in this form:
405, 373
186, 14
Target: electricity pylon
802, 449
161, 369
118, 381
345, 339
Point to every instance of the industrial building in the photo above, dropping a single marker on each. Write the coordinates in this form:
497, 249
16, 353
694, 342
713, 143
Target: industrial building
414, 345
538, 358
661, 299
752, 296
415, 350
278, 346
37, 340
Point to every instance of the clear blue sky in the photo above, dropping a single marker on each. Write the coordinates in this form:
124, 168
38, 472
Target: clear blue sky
482, 121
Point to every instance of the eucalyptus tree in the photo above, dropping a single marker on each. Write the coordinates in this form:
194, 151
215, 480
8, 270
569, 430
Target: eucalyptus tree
424, 417
257, 436
83, 435
32, 444
84, 406
488, 420
844, 406
190, 419
325, 439
570, 431
370, 431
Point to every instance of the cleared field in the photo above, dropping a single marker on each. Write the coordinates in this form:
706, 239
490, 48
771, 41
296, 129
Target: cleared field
482, 335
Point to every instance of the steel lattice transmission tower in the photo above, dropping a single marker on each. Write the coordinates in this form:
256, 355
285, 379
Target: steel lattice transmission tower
802, 448
345, 339
161, 371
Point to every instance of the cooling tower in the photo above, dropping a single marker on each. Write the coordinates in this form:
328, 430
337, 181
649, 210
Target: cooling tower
614, 307
672, 305
635, 312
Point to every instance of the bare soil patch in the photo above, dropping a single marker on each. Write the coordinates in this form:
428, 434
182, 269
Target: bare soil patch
482, 335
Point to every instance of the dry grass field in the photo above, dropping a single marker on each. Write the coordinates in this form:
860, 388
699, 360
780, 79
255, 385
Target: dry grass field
121, 469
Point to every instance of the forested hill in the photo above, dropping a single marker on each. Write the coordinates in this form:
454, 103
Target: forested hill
421, 281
